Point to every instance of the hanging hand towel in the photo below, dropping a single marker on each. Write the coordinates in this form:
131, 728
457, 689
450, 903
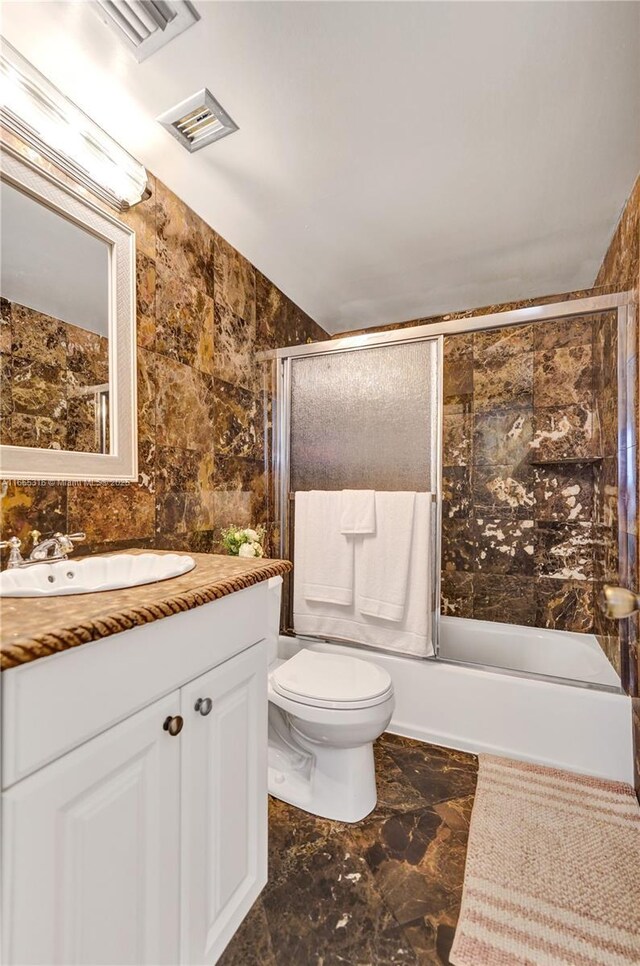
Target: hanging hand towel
357, 511
384, 558
323, 556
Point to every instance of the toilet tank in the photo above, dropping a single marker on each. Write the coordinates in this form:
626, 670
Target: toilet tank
274, 585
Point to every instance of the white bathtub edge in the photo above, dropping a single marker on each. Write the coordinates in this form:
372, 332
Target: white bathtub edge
584, 730
457, 743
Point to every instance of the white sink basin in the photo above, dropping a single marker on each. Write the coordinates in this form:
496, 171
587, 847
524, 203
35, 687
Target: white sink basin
92, 574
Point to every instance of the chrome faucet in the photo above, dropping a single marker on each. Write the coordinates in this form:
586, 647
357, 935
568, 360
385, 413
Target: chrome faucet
56, 547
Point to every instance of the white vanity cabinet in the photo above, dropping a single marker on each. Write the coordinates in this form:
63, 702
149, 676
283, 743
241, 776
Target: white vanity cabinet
92, 850
139, 845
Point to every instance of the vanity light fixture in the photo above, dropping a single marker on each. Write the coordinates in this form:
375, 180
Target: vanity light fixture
198, 121
34, 109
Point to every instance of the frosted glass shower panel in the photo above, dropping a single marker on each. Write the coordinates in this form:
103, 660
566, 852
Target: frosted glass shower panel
366, 419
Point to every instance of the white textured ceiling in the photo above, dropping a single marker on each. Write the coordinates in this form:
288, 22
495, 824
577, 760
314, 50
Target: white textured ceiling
394, 159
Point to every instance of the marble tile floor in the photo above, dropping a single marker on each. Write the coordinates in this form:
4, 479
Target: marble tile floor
386, 890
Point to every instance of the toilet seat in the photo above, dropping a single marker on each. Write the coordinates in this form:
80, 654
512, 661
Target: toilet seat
331, 681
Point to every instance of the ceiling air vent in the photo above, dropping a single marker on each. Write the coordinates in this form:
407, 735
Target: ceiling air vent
146, 25
198, 121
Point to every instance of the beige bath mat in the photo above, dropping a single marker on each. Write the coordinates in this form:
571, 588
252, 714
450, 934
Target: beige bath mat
553, 870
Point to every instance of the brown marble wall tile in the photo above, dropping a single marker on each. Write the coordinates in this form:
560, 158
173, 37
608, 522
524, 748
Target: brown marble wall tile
564, 550
184, 323
564, 494
49, 365
5, 325
184, 242
502, 438
82, 425
38, 337
145, 301
185, 405
506, 598
458, 545
563, 376
20, 429
565, 605
235, 349
38, 389
504, 545
182, 512
458, 374
6, 399
129, 512
560, 333
457, 439
235, 285
87, 357
565, 432
272, 309
502, 381
504, 489
147, 366
497, 345
456, 491
456, 593
239, 422
240, 491
302, 329
25, 508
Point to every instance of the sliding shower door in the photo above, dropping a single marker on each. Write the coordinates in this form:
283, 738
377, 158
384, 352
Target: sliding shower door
364, 418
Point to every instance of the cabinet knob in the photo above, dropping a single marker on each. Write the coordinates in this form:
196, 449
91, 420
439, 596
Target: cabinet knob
204, 705
173, 725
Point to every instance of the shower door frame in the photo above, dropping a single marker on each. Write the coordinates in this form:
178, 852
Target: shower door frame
627, 314
282, 468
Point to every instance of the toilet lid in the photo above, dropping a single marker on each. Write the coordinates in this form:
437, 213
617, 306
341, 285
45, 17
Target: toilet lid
330, 677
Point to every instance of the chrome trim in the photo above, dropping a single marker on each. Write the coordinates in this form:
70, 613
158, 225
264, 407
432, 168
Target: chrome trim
627, 330
287, 498
495, 320
533, 676
436, 526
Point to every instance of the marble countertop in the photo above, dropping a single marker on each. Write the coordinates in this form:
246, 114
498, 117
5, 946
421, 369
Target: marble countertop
31, 628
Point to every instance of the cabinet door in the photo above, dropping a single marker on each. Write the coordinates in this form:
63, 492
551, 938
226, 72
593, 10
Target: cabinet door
224, 802
91, 850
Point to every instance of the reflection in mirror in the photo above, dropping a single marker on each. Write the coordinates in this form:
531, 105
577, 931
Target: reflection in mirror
55, 297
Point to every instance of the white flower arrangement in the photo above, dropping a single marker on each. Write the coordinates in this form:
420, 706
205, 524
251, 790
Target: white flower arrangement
245, 542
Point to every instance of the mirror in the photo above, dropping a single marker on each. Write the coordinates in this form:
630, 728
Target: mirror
67, 332
54, 291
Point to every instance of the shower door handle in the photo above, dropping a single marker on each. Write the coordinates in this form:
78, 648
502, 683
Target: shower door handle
618, 602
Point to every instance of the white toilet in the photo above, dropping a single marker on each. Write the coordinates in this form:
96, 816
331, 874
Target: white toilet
325, 712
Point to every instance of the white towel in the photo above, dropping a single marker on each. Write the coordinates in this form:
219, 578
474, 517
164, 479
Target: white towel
323, 557
411, 635
357, 511
383, 566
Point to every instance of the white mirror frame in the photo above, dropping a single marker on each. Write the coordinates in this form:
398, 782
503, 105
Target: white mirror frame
121, 463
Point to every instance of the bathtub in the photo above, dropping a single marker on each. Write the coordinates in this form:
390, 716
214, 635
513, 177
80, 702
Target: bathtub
583, 727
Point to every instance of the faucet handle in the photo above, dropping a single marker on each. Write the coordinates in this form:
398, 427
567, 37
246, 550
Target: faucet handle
14, 542
15, 557
67, 540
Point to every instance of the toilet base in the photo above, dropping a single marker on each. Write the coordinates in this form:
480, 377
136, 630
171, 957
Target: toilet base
335, 783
